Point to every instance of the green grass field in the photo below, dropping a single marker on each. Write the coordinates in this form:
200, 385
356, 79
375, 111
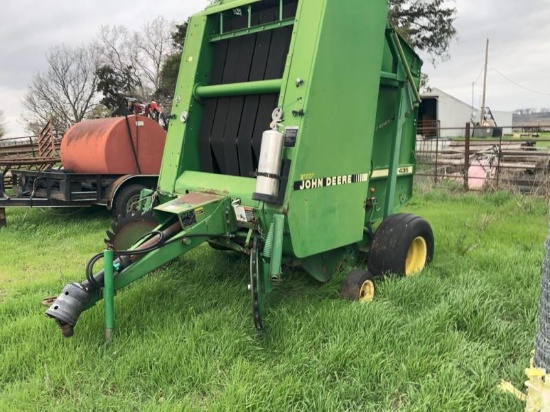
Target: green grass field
184, 341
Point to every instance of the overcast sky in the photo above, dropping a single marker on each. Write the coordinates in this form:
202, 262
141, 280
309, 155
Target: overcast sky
518, 30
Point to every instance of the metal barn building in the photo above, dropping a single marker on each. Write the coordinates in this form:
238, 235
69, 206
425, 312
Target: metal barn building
443, 115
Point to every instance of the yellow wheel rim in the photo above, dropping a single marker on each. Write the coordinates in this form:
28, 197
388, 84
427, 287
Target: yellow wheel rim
416, 256
366, 293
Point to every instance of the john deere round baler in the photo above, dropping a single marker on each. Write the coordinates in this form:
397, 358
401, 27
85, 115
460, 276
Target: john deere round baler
291, 138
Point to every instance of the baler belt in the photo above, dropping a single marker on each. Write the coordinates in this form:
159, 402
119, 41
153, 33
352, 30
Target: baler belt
232, 127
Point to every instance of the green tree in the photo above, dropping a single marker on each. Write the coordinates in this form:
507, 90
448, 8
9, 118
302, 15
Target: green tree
2, 124
428, 25
178, 36
131, 62
170, 70
115, 86
169, 77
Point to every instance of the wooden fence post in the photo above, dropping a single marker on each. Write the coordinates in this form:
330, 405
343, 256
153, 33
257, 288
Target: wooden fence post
467, 156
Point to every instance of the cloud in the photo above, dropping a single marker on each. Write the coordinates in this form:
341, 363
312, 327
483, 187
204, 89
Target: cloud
518, 33
29, 28
518, 49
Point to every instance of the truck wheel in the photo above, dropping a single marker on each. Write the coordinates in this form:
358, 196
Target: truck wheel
126, 200
403, 244
358, 285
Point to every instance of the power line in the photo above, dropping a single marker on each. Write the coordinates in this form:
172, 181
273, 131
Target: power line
479, 75
519, 85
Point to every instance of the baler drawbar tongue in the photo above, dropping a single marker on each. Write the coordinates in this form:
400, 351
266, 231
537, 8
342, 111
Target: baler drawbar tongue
190, 219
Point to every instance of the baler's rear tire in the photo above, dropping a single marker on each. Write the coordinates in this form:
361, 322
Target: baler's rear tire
358, 285
126, 200
403, 244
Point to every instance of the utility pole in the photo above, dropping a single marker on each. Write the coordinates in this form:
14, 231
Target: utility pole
473, 107
484, 85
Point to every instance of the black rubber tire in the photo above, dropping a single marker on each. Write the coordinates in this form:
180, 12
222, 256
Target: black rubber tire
542, 341
392, 240
354, 286
124, 199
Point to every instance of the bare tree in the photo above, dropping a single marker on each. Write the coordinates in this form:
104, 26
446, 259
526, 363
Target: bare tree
138, 57
117, 50
2, 124
154, 47
66, 91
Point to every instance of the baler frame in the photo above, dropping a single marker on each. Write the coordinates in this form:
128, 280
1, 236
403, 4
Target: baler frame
206, 196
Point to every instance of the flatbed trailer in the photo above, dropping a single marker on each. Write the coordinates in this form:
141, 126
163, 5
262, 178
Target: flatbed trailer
61, 188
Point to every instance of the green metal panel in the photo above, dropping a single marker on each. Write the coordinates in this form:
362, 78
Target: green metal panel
213, 221
181, 148
236, 187
395, 132
109, 294
340, 92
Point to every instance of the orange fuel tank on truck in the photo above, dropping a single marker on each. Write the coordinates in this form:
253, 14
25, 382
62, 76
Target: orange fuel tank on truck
115, 145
